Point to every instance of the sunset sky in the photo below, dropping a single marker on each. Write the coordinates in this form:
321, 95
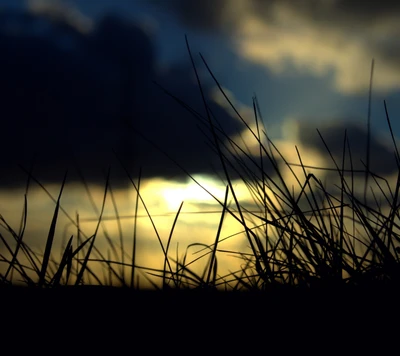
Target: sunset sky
307, 61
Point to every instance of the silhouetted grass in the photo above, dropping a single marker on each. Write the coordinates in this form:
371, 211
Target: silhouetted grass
310, 237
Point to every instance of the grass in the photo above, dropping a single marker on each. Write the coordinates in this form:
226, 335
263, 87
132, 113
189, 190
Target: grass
311, 236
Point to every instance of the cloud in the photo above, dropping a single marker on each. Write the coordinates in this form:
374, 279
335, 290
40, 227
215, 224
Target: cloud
318, 37
69, 98
314, 152
61, 12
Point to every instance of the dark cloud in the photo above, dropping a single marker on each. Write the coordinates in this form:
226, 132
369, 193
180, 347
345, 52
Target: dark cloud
68, 99
382, 159
206, 15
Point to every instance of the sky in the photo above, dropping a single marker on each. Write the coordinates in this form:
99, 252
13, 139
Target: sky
308, 63
79, 81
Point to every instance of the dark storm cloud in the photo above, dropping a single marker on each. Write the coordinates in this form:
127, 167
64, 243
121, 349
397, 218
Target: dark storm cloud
206, 15
382, 159
69, 98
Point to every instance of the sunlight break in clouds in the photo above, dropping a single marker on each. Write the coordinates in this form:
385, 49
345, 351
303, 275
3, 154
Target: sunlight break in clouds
190, 192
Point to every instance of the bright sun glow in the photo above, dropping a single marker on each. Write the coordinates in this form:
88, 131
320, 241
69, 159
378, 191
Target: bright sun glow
175, 193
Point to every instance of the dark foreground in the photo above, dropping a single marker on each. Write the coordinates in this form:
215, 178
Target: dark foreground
285, 319
285, 301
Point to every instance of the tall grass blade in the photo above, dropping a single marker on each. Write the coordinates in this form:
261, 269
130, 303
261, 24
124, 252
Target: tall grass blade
50, 238
134, 241
14, 259
368, 148
85, 261
212, 263
167, 248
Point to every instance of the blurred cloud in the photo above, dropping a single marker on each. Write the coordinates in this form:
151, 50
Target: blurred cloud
303, 133
70, 97
60, 11
382, 159
318, 37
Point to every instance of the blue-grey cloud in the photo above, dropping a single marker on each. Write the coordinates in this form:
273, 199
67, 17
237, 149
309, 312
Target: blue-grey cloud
338, 37
229, 14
